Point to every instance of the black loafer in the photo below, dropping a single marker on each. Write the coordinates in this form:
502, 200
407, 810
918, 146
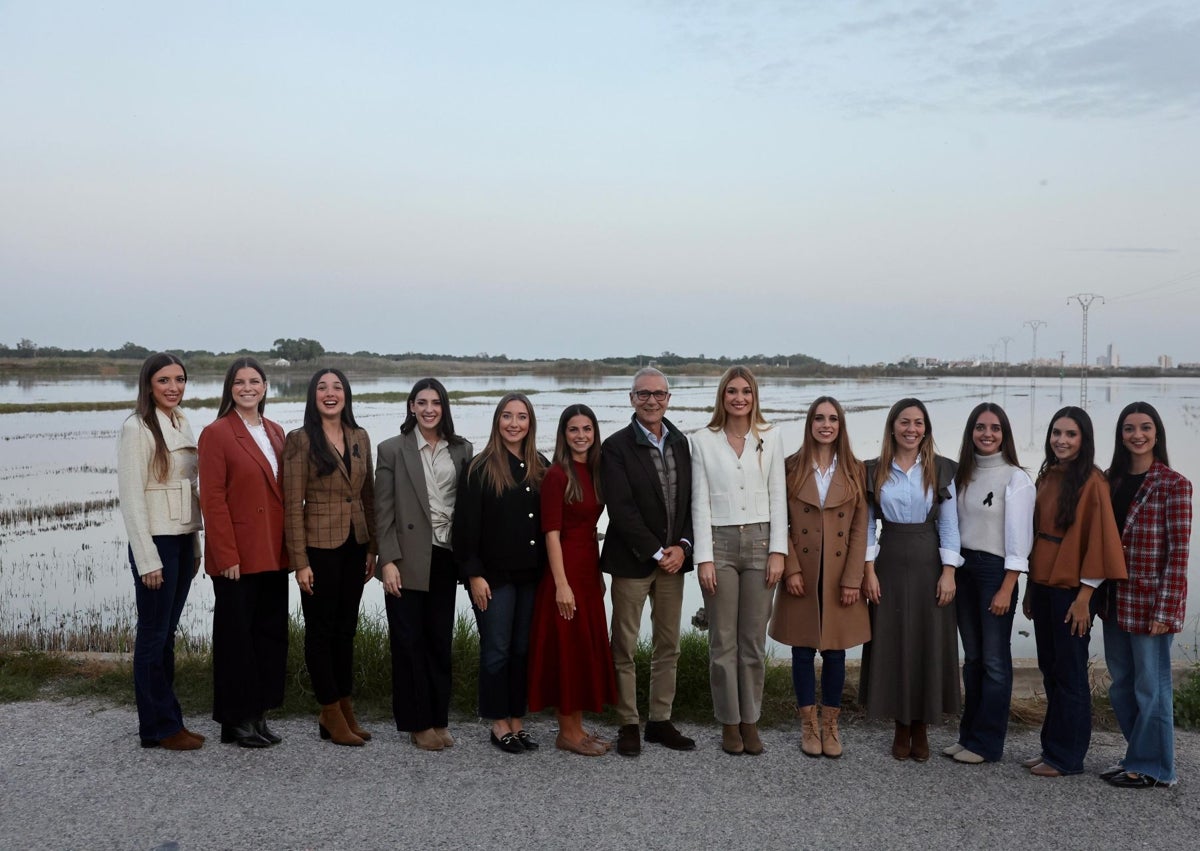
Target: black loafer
508, 743
244, 735
260, 727
1110, 773
527, 740
1124, 780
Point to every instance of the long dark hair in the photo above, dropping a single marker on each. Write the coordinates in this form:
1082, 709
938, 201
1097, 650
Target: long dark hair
562, 454
318, 447
966, 453
146, 411
492, 462
445, 429
227, 390
1077, 471
1121, 458
927, 451
800, 463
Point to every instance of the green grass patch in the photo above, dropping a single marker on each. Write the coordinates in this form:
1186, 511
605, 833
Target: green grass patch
1187, 701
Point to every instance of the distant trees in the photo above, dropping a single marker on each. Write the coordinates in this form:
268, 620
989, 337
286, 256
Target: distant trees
297, 350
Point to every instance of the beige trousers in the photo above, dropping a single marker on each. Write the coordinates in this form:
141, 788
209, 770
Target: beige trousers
665, 591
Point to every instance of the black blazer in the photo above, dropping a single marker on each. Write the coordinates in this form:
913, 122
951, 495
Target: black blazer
637, 515
498, 537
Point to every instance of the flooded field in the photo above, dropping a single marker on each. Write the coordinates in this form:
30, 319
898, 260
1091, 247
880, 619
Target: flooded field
65, 579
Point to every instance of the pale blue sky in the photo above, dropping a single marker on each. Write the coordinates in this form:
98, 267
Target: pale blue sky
849, 180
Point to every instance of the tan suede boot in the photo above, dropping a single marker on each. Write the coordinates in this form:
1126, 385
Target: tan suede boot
751, 743
332, 725
348, 713
831, 739
810, 735
731, 739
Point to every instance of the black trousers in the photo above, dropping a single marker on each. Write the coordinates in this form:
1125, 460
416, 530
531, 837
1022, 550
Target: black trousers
250, 645
331, 618
420, 632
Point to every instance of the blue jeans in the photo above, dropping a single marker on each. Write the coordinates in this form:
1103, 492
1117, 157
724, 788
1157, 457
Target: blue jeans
1142, 699
987, 654
159, 715
804, 678
504, 650
1063, 661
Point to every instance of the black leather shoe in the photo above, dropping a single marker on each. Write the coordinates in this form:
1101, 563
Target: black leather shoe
508, 743
244, 735
665, 734
526, 739
629, 740
260, 727
1110, 773
1124, 780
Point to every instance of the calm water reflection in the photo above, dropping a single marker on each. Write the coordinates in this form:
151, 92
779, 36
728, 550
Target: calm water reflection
71, 573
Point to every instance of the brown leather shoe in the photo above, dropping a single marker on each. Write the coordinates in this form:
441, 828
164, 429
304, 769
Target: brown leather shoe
902, 742
332, 725
665, 734
810, 736
831, 737
1043, 770
586, 746
629, 740
750, 739
604, 743
920, 741
731, 739
348, 713
199, 737
181, 741
426, 740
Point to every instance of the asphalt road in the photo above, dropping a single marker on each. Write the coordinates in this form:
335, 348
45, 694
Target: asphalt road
72, 776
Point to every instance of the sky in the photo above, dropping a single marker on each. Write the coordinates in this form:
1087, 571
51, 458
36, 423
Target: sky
858, 181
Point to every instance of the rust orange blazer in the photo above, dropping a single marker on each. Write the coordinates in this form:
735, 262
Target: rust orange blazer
321, 511
241, 499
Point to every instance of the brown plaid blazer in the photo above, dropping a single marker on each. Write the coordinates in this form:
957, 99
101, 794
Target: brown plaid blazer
319, 511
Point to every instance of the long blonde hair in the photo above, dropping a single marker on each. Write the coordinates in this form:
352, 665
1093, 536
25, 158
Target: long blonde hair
492, 462
927, 452
800, 463
719, 415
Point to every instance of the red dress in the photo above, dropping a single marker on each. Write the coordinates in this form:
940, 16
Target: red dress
570, 662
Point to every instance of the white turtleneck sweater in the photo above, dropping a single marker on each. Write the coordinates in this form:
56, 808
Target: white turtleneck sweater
995, 511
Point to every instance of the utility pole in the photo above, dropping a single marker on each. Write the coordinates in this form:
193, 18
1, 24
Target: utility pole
1034, 324
1085, 301
1006, 341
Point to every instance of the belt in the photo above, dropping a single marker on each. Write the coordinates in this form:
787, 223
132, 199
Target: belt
1054, 539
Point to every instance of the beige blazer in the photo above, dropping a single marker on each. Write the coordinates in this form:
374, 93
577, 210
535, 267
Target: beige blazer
151, 507
839, 531
402, 520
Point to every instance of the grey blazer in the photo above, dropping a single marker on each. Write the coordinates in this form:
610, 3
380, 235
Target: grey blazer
402, 523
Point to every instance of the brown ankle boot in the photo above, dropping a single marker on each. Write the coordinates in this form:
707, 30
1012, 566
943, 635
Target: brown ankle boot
731, 739
332, 725
902, 743
831, 740
751, 743
920, 741
810, 735
348, 714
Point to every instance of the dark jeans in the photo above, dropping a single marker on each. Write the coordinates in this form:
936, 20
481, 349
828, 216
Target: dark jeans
159, 715
250, 645
804, 678
504, 650
987, 654
331, 618
1063, 660
420, 632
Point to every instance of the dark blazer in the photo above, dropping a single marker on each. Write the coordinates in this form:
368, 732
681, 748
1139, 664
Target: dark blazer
637, 514
241, 498
319, 511
402, 521
498, 537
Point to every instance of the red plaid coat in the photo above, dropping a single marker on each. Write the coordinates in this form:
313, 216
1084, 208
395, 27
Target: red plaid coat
1155, 539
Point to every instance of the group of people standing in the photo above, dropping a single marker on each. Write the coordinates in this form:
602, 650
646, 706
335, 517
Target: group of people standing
902, 554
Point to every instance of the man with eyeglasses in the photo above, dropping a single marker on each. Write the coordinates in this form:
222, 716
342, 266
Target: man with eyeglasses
646, 476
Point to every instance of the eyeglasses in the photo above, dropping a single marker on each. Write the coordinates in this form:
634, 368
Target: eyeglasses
644, 395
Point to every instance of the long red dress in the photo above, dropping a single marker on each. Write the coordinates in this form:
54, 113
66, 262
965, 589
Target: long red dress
570, 662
